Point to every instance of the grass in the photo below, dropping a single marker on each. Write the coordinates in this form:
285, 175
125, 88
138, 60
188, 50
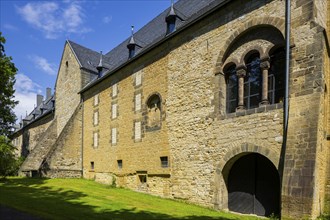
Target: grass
85, 199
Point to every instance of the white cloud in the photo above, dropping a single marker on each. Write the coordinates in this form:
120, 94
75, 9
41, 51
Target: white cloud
107, 19
42, 64
54, 20
26, 91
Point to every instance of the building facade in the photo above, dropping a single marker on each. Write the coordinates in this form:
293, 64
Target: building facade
191, 107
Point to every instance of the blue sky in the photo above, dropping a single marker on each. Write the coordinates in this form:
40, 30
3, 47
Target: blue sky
36, 31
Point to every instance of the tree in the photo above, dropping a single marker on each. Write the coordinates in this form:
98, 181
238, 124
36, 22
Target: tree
7, 81
9, 165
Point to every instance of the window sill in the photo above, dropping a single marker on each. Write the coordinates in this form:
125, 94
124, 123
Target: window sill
264, 108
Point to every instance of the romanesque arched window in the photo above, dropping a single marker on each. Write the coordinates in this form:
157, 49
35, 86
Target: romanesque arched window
258, 62
276, 76
231, 88
154, 111
252, 82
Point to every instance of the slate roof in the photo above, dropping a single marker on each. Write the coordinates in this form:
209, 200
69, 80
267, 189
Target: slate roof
88, 59
46, 107
149, 35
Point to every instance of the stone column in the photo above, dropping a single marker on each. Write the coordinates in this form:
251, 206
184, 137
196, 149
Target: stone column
241, 73
264, 66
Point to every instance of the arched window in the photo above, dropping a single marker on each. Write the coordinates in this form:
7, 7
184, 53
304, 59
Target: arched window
154, 111
231, 89
276, 76
252, 82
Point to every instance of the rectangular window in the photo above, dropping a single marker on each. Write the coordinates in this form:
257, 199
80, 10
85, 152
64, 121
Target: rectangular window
114, 90
143, 178
92, 165
137, 130
96, 118
138, 78
114, 111
120, 164
114, 136
95, 139
164, 162
138, 102
96, 100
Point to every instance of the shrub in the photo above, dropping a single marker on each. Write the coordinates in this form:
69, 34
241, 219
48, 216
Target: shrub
9, 164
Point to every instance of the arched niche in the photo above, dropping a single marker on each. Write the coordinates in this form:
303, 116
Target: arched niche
154, 112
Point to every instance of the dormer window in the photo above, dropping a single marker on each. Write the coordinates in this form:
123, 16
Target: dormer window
131, 45
170, 26
131, 50
171, 20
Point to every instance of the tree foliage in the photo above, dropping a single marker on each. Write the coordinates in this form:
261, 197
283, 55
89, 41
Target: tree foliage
7, 81
9, 165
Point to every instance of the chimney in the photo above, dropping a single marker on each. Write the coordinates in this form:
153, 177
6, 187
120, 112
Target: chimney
48, 93
40, 98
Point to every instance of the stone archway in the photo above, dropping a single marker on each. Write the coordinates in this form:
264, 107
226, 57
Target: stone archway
235, 152
275, 22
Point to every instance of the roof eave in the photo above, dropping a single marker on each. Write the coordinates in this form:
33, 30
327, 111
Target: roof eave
35, 120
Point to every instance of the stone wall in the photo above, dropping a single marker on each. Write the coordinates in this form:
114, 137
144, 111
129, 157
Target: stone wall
138, 149
28, 137
68, 84
201, 140
65, 157
36, 157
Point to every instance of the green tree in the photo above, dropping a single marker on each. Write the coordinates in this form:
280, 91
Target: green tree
7, 81
9, 165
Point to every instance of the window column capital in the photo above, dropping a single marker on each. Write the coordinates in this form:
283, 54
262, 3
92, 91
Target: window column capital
241, 71
264, 63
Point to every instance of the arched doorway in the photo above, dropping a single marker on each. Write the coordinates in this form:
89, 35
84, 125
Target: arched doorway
253, 186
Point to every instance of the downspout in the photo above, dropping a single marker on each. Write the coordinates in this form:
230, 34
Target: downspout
82, 137
286, 92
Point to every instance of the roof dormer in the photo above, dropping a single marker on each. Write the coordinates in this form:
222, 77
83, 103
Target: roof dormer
131, 45
100, 67
171, 20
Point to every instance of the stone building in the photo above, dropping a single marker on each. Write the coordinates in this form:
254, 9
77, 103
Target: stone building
191, 107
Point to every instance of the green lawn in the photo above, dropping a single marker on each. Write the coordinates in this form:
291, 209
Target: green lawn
84, 199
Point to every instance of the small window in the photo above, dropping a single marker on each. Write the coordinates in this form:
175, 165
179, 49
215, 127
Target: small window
164, 162
114, 136
137, 130
114, 90
96, 118
131, 52
95, 139
276, 78
92, 165
231, 89
143, 178
120, 164
138, 102
96, 100
252, 82
170, 27
138, 78
114, 111
67, 64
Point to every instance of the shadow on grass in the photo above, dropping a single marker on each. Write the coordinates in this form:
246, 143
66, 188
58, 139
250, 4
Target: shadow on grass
30, 196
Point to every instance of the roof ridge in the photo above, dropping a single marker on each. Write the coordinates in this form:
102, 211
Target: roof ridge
72, 42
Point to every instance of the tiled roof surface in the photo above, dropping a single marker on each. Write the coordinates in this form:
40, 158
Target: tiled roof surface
148, 35
38, 112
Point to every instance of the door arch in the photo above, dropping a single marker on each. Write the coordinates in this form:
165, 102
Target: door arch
254, 186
